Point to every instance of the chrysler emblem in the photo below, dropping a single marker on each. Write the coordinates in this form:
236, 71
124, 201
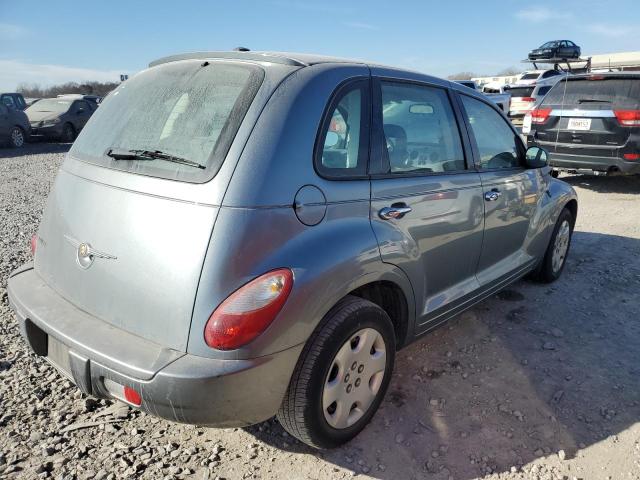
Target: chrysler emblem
86, 254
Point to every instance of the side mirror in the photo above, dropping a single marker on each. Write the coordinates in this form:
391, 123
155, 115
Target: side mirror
331, 140
536, 157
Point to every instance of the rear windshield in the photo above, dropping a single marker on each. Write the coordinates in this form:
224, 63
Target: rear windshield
529, 76
186, 109
521, 91
621, 92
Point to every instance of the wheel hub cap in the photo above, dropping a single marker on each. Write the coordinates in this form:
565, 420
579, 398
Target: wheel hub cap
17, 137
561, 246
354, 378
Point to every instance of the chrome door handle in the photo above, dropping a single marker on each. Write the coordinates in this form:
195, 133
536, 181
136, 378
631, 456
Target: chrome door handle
493, 195
387, 213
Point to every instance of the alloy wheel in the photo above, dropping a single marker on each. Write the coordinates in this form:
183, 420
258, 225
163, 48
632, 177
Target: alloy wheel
561, 246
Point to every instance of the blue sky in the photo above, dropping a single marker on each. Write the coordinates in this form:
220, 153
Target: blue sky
50, 41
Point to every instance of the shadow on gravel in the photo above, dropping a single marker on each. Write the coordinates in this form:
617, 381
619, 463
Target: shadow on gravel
531, 371
602, 184
35, 148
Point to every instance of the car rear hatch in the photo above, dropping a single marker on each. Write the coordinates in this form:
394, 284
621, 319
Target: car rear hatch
124, 238
521, 99
594, 115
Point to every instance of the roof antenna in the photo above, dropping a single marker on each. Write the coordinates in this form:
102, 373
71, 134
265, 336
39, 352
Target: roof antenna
241, 49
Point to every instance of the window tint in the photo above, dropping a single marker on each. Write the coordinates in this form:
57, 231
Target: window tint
618, 92
344, 139
521, 91
421, 133
542, 91
496, 141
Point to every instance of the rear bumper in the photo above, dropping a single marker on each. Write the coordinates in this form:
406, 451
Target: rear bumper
577, 162
173, 385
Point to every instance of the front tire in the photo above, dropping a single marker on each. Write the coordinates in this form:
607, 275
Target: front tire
68, 133
16, 137
556, 255
342, 375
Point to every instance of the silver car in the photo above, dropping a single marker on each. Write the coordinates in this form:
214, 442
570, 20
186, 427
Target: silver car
240, 235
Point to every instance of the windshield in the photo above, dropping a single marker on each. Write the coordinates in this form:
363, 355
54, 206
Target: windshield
619, 92
529, 76
51, 105
186, 109
550, 45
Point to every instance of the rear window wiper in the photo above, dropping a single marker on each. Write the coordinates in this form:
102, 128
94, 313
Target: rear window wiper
124, 154
592, 100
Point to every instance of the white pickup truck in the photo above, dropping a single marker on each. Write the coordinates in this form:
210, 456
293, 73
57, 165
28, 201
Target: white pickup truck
503, 100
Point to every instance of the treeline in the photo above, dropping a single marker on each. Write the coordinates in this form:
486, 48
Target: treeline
87, 88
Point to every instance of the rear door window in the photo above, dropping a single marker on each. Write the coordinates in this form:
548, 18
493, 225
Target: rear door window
420, 129
186, 109
342, 148
495, 140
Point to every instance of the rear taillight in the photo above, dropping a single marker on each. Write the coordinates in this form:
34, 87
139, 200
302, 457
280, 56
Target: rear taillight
631, 156
540, 115
248, 311
527, 99
34, 244
628, 118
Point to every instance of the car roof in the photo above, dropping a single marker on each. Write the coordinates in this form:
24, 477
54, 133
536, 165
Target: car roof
631, 74
299, 60
285, 58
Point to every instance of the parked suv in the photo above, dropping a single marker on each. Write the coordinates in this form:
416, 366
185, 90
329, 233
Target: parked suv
237, 235
591, 122
532, 77
14, 126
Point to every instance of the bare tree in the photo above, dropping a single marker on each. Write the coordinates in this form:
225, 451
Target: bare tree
87, 88
462, 76
507, 72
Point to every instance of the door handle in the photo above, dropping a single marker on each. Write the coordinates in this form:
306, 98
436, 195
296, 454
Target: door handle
492, 195
394, 211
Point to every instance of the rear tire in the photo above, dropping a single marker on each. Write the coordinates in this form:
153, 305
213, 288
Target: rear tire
555, 257
342, 375
16, 137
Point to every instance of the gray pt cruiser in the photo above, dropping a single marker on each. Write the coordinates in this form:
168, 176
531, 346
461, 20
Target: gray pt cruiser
237, 235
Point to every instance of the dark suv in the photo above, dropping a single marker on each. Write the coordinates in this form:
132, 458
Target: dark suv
591, 122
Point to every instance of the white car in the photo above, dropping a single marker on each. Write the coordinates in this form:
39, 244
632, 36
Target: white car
531, 77
524, 97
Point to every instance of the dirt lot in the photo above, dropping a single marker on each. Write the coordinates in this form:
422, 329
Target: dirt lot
538, 382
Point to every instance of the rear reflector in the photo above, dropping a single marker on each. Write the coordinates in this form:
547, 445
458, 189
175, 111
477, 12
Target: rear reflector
540, 115
248, 311
631, 156
527, 99
34, 244
126, 394
628, 118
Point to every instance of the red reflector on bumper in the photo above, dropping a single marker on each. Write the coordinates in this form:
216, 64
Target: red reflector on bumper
631, 156
133, 397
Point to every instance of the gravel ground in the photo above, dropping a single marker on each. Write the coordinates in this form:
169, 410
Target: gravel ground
538, 382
